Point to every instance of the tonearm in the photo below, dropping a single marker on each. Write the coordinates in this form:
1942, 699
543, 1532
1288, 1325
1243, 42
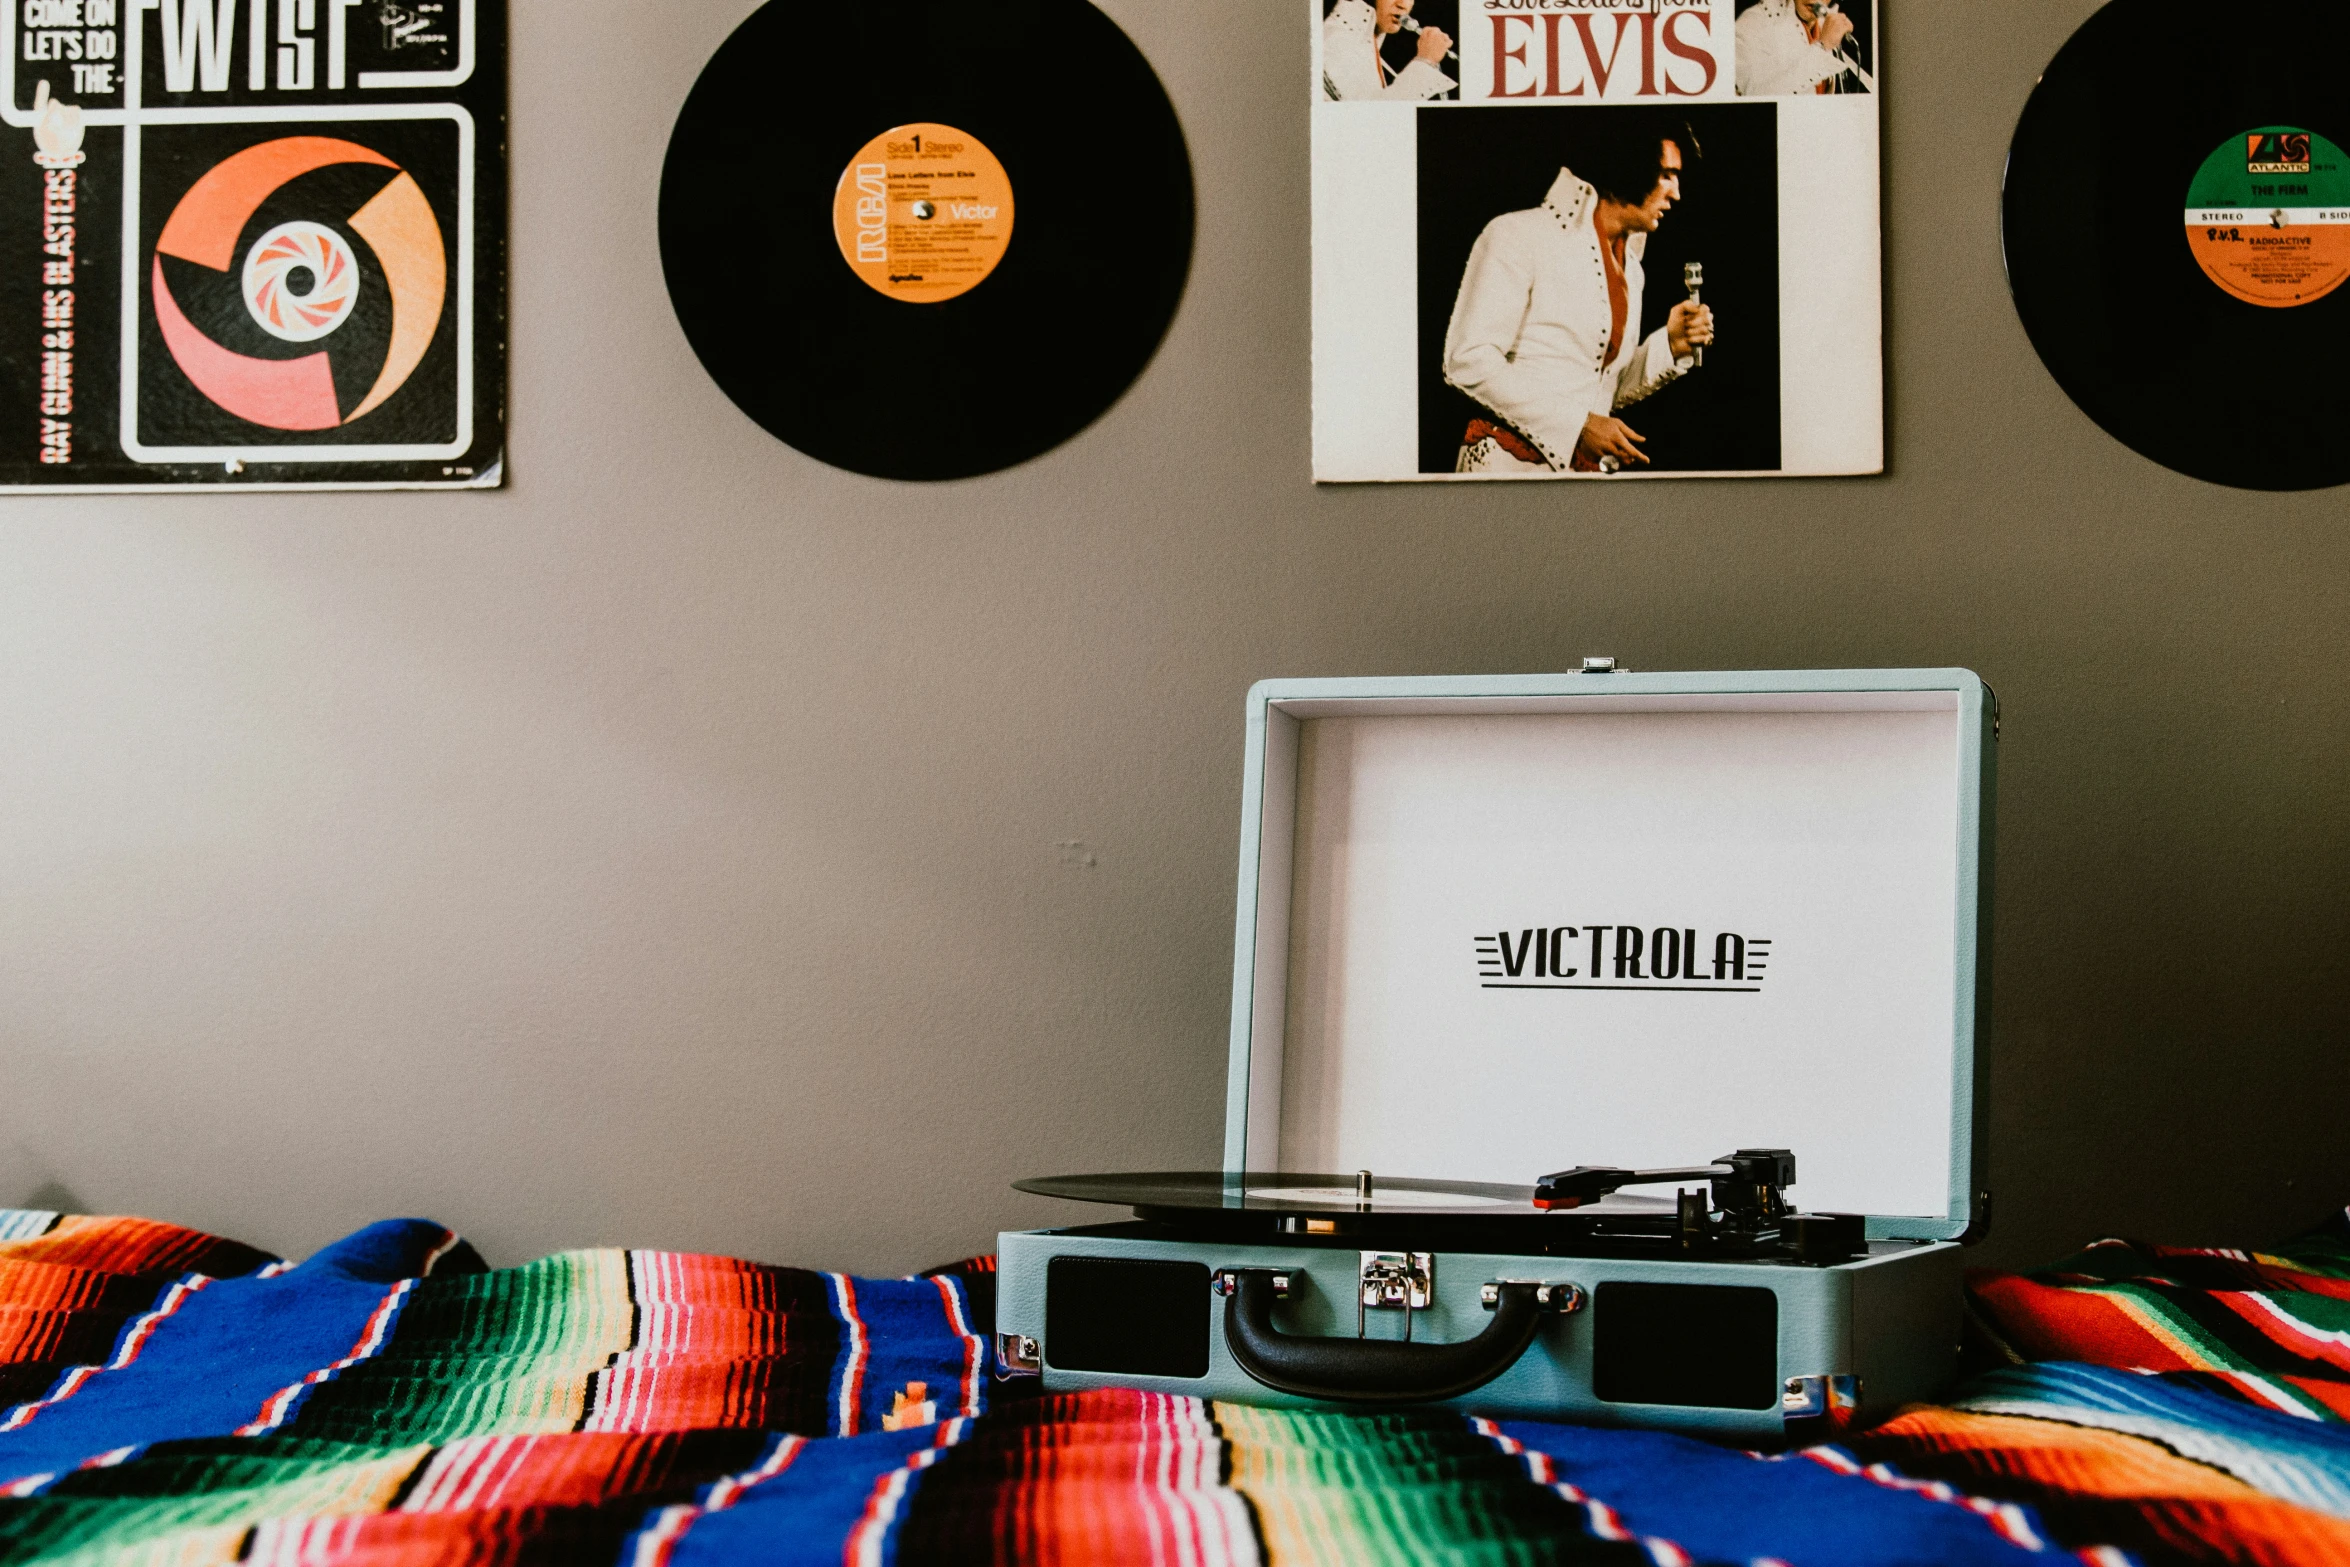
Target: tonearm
1751, 1183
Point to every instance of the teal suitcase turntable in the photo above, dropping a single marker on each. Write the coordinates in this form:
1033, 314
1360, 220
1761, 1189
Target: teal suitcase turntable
1515, 957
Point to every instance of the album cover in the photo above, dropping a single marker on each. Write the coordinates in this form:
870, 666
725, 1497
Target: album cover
1596, 239
252, 243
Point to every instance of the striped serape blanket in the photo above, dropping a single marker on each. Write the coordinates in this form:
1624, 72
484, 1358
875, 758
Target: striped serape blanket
168, 1397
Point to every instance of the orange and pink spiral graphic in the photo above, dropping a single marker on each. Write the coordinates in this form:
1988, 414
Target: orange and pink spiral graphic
299, 394
301, 281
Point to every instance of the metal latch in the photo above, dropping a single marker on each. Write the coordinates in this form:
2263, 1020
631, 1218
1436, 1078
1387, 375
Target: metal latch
1017, 1355
1602, 666
1560, 1298
1393, 1281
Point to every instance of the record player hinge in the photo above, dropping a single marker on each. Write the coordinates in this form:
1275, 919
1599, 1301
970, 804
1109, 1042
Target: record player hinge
1830, 1398
1560, 1298
1017, 1355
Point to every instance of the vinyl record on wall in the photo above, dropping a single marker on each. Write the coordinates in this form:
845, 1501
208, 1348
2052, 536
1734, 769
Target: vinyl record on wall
927, 241
2177, 227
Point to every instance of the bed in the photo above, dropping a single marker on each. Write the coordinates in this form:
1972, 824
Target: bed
168, 1396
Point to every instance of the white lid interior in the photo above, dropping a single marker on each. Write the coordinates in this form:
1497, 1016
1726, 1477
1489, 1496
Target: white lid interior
1822, 827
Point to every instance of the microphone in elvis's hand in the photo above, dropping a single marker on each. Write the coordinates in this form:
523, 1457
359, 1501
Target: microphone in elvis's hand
1693, 275
1411, 25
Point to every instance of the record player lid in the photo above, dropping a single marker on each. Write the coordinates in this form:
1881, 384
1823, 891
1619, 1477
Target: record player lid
1491, 927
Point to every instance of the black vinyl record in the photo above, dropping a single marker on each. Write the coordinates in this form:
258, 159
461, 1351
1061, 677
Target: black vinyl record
1284, 1192
2177, 229
927, 329
1269, 1206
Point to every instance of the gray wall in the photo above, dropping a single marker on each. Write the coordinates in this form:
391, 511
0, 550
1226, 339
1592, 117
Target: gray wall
672, 848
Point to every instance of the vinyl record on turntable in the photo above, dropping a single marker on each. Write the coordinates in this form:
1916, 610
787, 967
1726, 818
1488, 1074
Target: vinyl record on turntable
2177, 230
926, 241
1739, 1206
1211, 1191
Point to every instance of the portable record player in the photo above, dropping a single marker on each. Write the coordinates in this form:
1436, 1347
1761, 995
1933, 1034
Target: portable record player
1510, 952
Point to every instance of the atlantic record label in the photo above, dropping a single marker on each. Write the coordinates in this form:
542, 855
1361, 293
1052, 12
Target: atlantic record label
944, 262
2268, 217
2177, 231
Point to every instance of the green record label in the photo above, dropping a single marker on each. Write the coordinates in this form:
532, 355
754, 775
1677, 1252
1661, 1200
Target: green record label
2268, 217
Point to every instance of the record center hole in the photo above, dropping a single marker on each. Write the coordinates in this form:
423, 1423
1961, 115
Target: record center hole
925, 210
301, 282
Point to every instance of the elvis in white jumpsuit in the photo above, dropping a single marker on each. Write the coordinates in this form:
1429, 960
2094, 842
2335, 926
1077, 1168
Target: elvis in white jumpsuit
1789, 47
1352, 68
1542, 330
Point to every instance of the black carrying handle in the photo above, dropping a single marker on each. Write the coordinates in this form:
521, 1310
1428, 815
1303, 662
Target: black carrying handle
1372, 1371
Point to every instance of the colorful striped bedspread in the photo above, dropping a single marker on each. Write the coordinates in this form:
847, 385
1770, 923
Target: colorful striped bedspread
168, 1397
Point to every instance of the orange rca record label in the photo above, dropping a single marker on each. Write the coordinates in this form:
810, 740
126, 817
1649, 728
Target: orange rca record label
923, 213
